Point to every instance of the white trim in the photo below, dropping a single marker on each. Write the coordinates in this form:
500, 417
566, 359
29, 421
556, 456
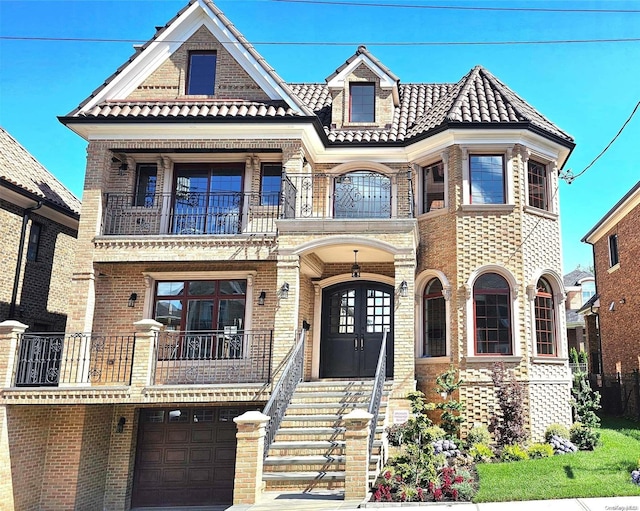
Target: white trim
470, 313
339, 81
420, 284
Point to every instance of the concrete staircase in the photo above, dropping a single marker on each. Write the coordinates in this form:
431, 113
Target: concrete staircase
308, 451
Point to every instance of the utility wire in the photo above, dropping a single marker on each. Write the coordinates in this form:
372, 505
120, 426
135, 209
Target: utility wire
462, 8
569, 177
333, 43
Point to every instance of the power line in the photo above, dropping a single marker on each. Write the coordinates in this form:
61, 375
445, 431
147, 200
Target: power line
569, 177
463, 8
335, 43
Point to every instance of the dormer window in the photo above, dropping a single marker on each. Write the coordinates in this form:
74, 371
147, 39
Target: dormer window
202, 73
362, 102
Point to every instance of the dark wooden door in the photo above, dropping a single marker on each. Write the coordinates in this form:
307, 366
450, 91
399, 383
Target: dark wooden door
355, 315
185, 457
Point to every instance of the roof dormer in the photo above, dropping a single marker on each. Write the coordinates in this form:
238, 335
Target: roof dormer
364, 92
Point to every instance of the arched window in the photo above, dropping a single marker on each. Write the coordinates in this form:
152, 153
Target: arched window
435, 322
492, 309
545, 319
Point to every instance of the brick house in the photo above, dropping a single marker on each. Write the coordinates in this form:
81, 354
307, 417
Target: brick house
38, 227
580, 288
240, 234
615, 246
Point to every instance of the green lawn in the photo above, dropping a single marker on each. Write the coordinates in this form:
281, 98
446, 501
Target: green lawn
604, 472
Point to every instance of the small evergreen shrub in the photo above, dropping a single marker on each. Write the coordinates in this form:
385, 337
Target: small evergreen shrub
479, 435
585, 438
481, 453
556, 430
447, 384
436, 432
562, 445
537, 451
513, 453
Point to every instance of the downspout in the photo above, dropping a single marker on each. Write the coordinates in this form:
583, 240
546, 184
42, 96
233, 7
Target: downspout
16, 280
597, 314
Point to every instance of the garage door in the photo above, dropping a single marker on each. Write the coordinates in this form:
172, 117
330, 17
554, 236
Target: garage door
185, 457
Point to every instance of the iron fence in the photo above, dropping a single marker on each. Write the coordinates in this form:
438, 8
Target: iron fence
212, 357
49, 359
620, 393
356, 195
195, 213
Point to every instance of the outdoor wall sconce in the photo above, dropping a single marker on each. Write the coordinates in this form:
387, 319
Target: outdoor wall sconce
306, 325
122, 168
132, 300
261, 297
284, 291
404, 289
120, 427
355, 269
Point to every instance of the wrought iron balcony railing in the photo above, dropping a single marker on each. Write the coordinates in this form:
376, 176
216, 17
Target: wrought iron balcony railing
356, 195
210, 357
227, 213
49, 359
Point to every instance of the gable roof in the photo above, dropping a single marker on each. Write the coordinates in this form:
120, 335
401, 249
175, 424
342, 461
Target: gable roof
478, 101
614, 215
20, 169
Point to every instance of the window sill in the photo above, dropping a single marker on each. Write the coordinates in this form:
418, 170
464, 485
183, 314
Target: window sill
479, 359
540, 212
504, 209
434, 213
538, 359
371, 124
433, 360
613, 268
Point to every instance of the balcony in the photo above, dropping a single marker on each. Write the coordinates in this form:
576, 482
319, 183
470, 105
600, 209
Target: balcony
190, 213
360, 195
178, 358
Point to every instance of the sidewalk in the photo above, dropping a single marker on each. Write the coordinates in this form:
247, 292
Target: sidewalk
332, 501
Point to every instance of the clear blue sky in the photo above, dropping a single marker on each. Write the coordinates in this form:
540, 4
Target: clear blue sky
587, 89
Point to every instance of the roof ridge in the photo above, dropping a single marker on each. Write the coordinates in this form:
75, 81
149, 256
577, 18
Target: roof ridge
465, 85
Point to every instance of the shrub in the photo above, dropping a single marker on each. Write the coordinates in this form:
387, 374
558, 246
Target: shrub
556, 430
509, 428
585, 438
395, 434
585, 402
481, 453
447, 384
437, 433
537, 451
513, 453
479, 435
573, 355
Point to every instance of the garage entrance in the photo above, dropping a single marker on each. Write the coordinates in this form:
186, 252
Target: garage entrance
185, 457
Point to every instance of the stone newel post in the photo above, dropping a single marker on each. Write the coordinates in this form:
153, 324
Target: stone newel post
249, 457
356, 483
9, 332
143, 354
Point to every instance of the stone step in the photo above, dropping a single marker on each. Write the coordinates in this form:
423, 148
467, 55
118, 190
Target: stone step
327, 405
309, 460
313, 444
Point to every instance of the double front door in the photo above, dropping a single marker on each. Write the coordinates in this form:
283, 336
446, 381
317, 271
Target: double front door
355, 316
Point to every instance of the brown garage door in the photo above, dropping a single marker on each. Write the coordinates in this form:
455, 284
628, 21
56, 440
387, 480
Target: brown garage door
185, 457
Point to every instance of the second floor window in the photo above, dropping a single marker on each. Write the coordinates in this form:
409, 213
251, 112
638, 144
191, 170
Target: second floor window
202, 73
271, 179
487, 177
146, 179
588, 289
433, 180
34, 242
538, 189
362, 102
614, 257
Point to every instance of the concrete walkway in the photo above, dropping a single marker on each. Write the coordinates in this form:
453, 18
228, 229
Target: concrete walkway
332, 501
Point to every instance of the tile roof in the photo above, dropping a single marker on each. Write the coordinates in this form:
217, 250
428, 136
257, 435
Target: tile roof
478, 99
573, 278
20, 168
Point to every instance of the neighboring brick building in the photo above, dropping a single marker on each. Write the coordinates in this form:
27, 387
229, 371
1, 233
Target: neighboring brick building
580, 287
616, 248
38, 228
235, 214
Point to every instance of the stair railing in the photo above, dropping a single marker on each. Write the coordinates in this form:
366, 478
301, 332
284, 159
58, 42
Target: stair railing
376, 393
283, 392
